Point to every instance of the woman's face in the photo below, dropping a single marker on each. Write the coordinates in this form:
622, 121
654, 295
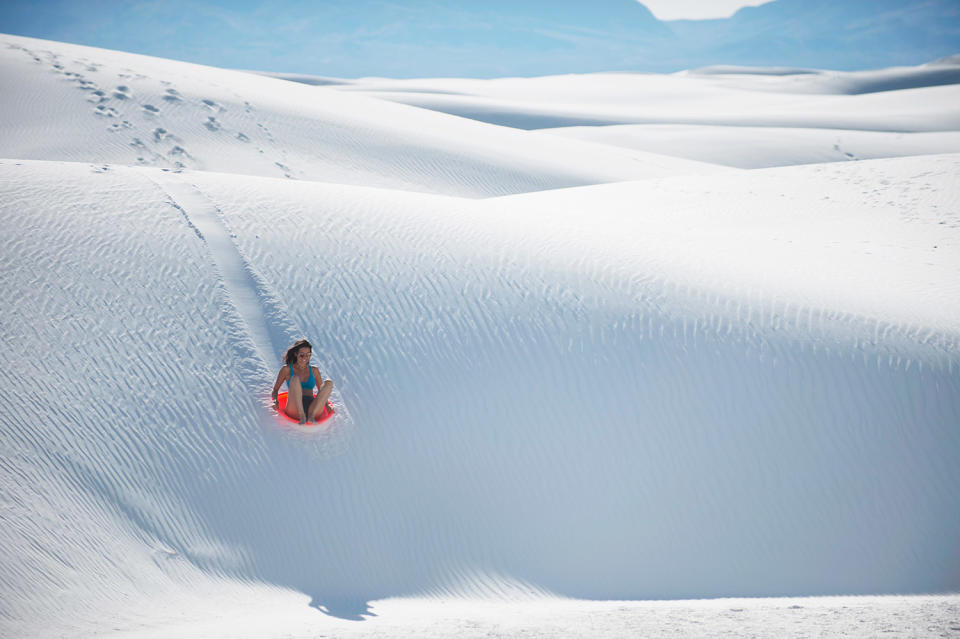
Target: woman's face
303, 356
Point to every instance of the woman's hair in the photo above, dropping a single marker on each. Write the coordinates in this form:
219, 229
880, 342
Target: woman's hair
291, 355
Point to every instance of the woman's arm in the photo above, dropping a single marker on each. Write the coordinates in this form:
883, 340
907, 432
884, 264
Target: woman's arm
316, 376
282, 376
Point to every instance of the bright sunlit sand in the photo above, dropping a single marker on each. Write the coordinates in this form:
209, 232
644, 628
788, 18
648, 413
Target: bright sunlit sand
614, 354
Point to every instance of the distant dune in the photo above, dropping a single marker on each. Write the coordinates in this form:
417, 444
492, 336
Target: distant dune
80, 104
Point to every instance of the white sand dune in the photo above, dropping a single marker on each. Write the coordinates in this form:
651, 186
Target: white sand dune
738, 99
66, 102
698, 385
738, 117
747, 147
934, 74
519, 380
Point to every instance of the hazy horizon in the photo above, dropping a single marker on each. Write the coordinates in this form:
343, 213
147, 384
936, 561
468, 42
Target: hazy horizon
499, 39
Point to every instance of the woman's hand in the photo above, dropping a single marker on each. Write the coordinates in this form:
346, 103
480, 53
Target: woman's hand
282, 376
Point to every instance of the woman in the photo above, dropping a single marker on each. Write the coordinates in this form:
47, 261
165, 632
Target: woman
301, 378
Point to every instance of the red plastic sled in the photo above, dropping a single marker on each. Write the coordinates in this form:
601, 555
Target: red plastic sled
322, 416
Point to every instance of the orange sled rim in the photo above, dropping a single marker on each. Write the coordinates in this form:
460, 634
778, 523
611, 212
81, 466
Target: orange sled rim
322, 416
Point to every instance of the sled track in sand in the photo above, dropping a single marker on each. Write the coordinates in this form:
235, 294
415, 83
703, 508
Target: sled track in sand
241, 283
264, 315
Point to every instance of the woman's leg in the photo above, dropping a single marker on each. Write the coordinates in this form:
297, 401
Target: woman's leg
295, 400
323, 394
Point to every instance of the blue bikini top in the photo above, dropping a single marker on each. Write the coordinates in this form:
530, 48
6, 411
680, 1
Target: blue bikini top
307, 385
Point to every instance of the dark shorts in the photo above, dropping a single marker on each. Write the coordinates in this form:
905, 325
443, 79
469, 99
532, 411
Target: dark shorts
307, 398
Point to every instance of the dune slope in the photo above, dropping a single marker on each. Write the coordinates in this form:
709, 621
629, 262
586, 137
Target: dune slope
616, 392
67, 102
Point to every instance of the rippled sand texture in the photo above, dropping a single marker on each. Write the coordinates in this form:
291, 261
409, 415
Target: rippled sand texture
519, 413
733, 384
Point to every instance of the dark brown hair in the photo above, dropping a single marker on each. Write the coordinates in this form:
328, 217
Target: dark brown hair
291, 355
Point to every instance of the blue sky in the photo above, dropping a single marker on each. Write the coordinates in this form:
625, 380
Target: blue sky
494, 38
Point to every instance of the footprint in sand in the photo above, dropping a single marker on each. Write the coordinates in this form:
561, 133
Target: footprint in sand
286, 170
172, 95
105, 111
122, 92
147, 156
94, 94
265, 130
160, 134
89, 66
85, 84
119, 126
16, 47
149, 108
212, 124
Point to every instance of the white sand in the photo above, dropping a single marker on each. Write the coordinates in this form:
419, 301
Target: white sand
744, 118
632, 396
